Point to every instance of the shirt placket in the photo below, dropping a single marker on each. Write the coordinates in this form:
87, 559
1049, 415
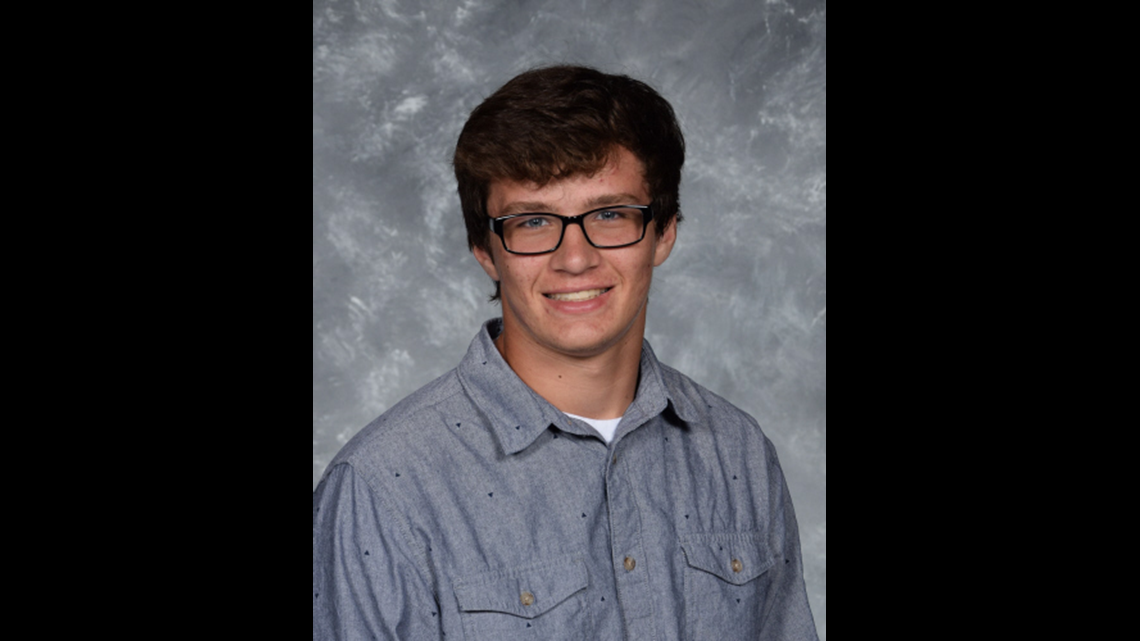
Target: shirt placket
629, 561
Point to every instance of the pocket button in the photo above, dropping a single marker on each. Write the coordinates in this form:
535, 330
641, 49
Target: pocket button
737, 566
526, 598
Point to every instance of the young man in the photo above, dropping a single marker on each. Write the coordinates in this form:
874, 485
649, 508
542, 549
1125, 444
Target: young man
561, 483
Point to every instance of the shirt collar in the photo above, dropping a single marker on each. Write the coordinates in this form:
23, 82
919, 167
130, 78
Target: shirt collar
518, 415
654, 393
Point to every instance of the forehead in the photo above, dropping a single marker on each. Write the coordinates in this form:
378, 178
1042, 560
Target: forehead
620, 181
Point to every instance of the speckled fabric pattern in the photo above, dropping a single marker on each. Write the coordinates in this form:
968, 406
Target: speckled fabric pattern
474, 509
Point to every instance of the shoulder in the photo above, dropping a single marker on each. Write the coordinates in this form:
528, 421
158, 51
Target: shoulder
713, 421
389, 437
702, 402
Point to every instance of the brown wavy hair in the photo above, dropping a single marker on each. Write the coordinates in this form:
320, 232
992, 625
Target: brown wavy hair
552, 123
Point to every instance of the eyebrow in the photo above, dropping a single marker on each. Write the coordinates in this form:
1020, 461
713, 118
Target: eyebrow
534, 206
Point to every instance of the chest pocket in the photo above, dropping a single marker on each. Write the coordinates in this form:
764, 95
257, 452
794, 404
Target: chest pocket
726, 584
540, 601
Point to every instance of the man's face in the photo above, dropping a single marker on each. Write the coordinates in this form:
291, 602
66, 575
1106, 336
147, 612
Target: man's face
614, 283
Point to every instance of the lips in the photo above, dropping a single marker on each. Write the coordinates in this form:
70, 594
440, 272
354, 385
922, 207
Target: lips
579, 296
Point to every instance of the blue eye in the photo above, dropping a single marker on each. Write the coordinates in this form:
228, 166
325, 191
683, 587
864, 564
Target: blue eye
614, 215
533, 223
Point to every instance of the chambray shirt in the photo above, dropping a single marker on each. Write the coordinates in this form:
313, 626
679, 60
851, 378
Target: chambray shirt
474, 509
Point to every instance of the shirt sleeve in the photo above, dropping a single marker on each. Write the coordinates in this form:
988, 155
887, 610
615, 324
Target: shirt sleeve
788, 615
367, 581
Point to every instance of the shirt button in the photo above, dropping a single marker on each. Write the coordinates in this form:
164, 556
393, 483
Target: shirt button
526, 598
737, 565
615, 459
630, 563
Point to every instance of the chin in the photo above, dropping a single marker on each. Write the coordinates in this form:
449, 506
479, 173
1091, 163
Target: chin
584, 350
588, 343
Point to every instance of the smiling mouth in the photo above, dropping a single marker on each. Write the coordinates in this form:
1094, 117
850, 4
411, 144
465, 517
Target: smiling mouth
577, 297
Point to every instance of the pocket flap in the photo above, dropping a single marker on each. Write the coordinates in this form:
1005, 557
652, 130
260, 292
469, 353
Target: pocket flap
539, 587
736, 558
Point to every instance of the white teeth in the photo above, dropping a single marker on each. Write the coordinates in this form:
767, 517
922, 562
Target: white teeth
576, 297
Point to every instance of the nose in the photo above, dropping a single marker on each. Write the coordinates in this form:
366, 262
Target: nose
576, 254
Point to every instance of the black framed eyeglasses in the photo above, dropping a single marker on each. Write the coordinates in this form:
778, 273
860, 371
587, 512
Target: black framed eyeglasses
605, 228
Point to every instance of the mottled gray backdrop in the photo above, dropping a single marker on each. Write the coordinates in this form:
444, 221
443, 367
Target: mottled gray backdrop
740, 306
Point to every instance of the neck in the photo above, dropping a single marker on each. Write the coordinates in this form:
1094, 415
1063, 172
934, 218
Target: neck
595, 386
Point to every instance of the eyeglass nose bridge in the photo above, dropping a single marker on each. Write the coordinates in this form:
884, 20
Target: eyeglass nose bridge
580, 221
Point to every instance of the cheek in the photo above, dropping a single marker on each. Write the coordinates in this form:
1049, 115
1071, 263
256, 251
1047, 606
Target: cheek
641, 267
516, 274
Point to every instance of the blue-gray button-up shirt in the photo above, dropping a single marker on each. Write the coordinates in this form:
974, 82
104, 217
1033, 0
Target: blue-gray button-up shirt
474, 509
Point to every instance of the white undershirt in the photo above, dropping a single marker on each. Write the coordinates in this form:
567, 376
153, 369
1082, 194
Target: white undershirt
604, 426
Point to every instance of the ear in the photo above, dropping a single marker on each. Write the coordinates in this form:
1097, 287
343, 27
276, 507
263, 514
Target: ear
664, 243
487, 261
